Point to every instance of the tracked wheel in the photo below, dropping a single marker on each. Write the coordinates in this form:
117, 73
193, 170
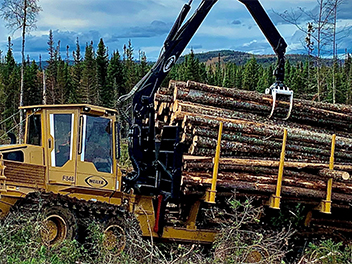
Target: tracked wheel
59, 224
256, 254
114, 239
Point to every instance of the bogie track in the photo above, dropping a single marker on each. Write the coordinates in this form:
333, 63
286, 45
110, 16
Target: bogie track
69, 218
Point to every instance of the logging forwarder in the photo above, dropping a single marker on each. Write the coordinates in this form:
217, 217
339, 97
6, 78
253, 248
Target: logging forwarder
87, 181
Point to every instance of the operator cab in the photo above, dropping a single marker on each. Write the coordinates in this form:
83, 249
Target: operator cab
78, 145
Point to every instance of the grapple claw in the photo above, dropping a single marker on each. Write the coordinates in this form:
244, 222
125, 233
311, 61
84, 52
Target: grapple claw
280, 89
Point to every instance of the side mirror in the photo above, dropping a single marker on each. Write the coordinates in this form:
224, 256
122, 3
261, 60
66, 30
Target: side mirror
12, 137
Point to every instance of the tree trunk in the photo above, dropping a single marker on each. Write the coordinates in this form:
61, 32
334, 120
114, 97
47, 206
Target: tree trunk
20, 132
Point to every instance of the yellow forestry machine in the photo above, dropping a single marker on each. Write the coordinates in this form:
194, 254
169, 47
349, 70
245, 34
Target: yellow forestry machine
69, 161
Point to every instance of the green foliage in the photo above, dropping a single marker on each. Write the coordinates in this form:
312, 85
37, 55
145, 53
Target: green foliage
124, 160
90, 94
101, 79
238, 243
329, 252
102, 61
115, 80
21, 243
251, 75
290, 215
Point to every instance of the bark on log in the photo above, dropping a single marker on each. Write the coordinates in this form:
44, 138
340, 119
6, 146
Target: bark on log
337, 175
266, 146
248, 133
271, 188
268, 163
299, 105
256, 96
295, 181
165, 91
163, 98
265, 130
229, 177
212, 99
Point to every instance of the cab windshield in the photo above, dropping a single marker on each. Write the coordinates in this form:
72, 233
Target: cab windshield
97, 142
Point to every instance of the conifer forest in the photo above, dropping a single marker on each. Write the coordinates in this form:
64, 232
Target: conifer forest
98, 76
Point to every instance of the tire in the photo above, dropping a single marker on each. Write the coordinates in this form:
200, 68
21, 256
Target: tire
59, 224
114, 239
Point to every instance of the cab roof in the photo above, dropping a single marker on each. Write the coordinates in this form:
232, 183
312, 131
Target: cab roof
87, 108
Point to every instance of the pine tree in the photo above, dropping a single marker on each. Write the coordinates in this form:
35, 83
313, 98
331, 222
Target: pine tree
266, 78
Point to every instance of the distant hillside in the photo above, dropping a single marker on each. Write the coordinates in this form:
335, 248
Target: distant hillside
240, 58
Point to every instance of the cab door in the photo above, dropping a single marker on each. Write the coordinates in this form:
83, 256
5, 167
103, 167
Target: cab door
62, 146
95, 163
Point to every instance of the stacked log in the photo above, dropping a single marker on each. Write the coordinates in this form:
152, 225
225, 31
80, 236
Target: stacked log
251, 143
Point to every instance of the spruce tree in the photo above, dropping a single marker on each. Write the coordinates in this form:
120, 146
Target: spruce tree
129, 66
115, 81
250, 75
102, 67
143, 65
347, 76
90, 94
51, 71
191, 68
61, 82
11, 82
33, 84
75, 90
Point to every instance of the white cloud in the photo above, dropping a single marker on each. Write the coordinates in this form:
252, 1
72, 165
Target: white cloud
118, 20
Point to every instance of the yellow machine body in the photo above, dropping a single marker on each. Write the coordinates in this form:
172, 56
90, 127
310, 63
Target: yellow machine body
72, 150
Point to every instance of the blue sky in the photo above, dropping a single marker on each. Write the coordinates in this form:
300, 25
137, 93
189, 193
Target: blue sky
147, 22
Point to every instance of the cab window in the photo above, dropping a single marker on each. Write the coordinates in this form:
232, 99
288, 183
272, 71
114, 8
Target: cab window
97, 142
61, 126
34, 135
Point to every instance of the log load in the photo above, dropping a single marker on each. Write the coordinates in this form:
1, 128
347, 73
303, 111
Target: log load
251, 143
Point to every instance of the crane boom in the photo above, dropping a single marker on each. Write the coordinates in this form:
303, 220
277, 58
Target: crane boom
157, 162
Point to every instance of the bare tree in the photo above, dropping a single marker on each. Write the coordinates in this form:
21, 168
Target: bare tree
321, 32
20, 14
334, 5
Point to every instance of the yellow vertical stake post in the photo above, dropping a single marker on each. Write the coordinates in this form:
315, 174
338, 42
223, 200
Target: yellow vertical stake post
210, 193
325, 205
274, 201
